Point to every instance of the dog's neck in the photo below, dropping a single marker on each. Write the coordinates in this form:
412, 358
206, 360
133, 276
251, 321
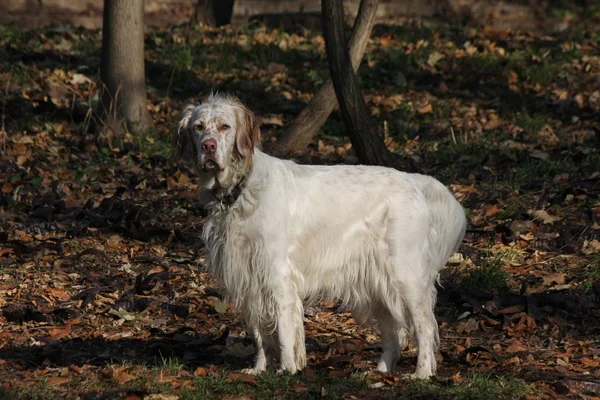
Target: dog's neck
228, 196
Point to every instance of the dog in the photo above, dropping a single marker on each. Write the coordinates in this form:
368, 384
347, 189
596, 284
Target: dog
280, 234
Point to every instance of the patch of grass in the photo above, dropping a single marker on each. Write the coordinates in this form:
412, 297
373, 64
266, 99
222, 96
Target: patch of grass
39, 391
544, 74
592, 272
171, 365
531, 123
181, 56
87, 45
153, 142
486, 64
489, 275
475, 387
271, 385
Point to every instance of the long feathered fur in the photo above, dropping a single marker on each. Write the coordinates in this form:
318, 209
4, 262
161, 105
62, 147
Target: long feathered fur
372, 238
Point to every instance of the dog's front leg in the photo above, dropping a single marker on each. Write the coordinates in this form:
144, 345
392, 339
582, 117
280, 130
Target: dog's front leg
261, 353
287, 300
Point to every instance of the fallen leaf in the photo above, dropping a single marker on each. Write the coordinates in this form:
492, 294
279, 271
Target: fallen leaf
201, 371
433, 58
426, 109
219, 306
492, 211
515, 347
557, 278
243, 378
120, 375
300, 388
158, 396
58, 380
543, 216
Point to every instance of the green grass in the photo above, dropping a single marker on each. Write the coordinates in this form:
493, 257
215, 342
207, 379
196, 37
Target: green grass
39, 391
153, 142
271, 385
544, 74
531, 123
489, 275
592, 272
475, 387
171, 365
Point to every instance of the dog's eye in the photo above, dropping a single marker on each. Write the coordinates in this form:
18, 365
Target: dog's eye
198, 127
223, 127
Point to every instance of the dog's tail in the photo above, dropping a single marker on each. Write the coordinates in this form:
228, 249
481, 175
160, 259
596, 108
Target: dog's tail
449, 222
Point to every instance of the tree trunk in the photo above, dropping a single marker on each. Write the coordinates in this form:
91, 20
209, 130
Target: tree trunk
122, 69
304, 128
214, 12
369, 147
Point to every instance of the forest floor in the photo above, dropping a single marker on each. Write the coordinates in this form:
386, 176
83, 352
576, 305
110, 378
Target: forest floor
103, 289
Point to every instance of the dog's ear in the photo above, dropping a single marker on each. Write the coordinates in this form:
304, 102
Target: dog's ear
184, 147
247, 132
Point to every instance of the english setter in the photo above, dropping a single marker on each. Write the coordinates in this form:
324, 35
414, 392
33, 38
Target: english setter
279, 234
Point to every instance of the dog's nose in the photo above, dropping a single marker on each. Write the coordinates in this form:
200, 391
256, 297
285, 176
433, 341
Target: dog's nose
209, 146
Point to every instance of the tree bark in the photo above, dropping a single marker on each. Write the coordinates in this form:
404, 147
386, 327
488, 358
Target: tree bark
122, 69
304, 128
214, 12
368, 145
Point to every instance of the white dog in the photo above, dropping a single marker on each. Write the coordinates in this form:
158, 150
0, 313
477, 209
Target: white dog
280, 233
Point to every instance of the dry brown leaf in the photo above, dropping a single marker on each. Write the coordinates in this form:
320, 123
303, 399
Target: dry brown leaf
426, 109
243, 378
515, 347
158, 396
300, 388
120, 375
542, 215
201, 371
58, 380
492, 211
557, 278
238, 397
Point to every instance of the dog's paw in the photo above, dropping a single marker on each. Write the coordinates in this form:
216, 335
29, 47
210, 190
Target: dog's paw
252, 371
289, 371
414, 377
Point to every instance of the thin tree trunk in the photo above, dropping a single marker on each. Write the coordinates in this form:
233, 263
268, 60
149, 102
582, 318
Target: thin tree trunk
214, 12
304, 128
368, 145
122, 70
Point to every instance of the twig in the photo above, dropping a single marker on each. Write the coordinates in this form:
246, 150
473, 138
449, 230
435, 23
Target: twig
344, 333
2, 128
453, 136
170, 82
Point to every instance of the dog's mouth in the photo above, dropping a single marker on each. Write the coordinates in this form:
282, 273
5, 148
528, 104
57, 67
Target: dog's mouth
211, 165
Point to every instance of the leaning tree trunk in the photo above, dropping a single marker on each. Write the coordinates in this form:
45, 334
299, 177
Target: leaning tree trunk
122, 69
214, 12
304, 128
368, 145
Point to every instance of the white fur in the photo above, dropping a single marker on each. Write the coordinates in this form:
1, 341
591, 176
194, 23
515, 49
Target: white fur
372, 238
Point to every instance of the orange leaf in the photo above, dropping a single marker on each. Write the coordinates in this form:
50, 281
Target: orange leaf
516, 346
244, 378
492, 211
58, 380
426, 109
121, 377
201, 371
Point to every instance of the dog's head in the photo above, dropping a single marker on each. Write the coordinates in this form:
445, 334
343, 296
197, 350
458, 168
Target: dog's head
217, 136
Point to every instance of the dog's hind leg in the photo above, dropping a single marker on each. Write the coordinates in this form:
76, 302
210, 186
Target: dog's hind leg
420, 303
393, 336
